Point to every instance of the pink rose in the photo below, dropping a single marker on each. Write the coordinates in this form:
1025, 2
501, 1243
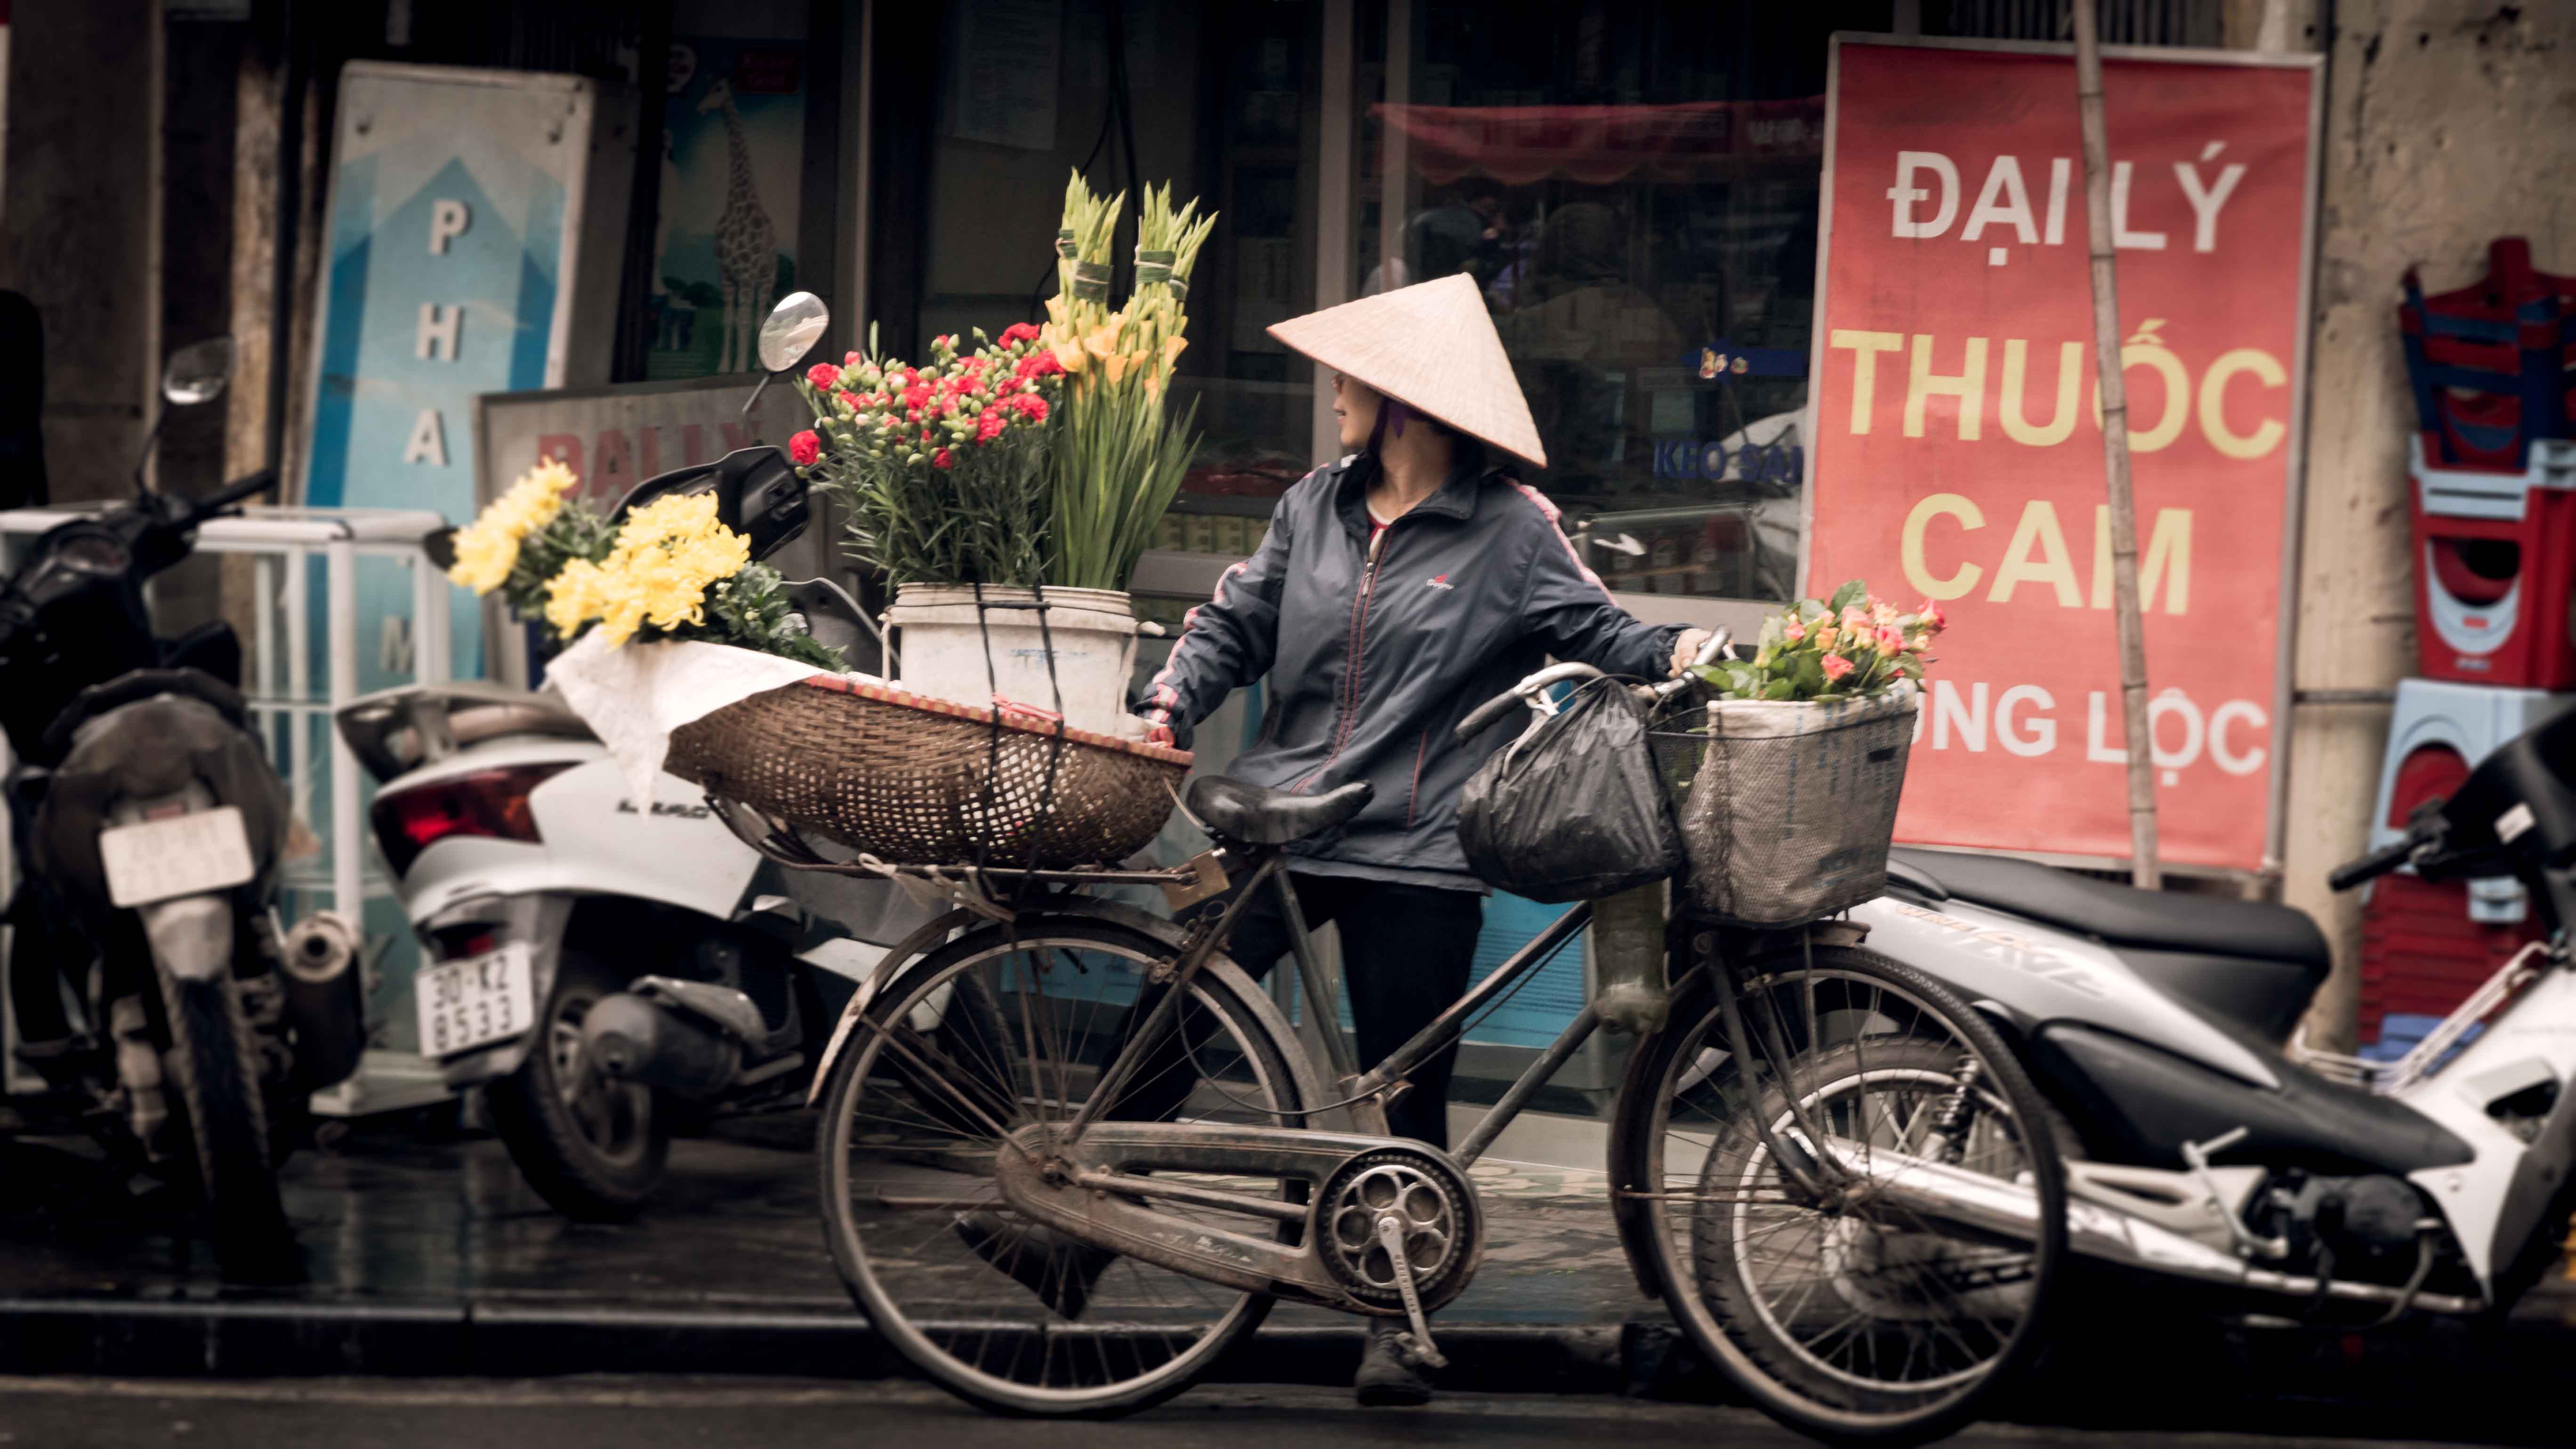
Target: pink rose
1855, 617
1836, 667
1793, 631
1931, 617
1890, 642
824, 376
805, 448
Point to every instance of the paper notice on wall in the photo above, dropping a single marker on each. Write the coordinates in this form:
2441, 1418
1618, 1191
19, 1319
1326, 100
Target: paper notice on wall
1003, 72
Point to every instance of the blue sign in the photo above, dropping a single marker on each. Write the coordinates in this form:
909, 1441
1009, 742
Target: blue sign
446, 277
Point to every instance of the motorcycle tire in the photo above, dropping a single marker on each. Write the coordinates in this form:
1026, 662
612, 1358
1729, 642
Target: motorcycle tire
594, 1152
216, 1070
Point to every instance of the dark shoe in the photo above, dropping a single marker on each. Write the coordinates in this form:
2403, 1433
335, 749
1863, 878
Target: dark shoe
1056, 1268
1386, 1380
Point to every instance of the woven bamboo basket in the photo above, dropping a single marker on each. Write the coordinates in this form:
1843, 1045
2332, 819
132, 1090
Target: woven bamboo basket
919, 781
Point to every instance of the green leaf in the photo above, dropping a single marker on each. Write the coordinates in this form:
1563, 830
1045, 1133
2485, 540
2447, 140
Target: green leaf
1848, 595
1780, 689
1810, 610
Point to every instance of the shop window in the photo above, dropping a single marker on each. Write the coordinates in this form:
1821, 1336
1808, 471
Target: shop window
1635, 188
1222, 103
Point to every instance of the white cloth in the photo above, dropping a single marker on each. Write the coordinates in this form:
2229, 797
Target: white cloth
635, 695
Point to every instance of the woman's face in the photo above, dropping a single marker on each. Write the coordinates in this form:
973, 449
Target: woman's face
1355, 404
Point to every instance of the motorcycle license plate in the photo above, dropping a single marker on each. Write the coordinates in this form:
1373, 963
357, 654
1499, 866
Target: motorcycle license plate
184, 855
475, 1002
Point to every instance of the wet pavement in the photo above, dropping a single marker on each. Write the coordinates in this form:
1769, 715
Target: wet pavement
397, 1214
426, 1255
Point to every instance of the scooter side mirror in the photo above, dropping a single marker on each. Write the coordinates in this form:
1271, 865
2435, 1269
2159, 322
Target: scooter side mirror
198, 372
759, 495
792, 329
439, 545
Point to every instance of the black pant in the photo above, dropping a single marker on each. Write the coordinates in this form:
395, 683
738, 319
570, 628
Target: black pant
1406, 954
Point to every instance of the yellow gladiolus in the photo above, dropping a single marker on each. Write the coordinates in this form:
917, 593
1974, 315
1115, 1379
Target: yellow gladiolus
1069, 356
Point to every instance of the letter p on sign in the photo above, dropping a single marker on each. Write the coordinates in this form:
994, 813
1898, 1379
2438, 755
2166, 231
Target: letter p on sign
447, 221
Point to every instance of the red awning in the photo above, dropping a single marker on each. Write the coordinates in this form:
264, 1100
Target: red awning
1597, 145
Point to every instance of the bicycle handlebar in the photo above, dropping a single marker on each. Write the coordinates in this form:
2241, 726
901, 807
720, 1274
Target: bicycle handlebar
1485, 716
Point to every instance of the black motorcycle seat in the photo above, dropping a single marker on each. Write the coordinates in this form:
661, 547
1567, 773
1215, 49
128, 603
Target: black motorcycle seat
1254, 815
141, 684
2141, 1104
2124, 915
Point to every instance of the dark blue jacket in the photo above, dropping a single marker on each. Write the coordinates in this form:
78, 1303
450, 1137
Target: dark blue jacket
1375, 656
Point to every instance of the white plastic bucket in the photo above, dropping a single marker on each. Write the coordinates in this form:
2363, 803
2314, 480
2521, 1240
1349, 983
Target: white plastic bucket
940, 641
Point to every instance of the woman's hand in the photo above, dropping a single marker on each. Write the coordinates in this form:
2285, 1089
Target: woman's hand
1686, 649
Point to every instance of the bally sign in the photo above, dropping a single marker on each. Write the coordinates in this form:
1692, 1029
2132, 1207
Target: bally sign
1957, 452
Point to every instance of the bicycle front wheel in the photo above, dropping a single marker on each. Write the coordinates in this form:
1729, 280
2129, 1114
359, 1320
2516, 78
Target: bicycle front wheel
1846, 1315
1005, 1027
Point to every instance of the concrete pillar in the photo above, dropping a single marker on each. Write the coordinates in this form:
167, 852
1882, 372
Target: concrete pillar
77, 230
2448, 123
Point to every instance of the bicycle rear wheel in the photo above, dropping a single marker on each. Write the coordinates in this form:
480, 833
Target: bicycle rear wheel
1850, 1316
999, 1029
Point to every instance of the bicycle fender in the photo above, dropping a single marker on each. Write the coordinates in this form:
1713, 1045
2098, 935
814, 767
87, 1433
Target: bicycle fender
901, 954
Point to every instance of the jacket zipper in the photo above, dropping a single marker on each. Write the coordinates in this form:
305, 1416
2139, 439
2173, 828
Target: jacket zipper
1359, 638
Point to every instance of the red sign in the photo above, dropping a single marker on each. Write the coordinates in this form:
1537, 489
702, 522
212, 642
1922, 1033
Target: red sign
1958, 453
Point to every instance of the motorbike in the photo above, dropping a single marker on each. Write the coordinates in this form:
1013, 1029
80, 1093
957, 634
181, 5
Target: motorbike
2208, 1148
157, 997
608, 969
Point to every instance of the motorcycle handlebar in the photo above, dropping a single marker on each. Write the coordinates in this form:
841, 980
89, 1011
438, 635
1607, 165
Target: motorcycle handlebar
237, 491
2374, 865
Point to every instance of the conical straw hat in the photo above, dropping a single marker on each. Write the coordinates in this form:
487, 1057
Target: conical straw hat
1432, 348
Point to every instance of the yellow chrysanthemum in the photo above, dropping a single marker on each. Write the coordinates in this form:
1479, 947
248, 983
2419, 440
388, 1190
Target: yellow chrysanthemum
488, 548
668, 554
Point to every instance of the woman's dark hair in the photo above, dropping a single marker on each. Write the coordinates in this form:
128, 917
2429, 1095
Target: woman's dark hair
1465, 449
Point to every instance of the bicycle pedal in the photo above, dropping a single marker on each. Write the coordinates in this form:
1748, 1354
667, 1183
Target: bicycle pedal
1419, 1353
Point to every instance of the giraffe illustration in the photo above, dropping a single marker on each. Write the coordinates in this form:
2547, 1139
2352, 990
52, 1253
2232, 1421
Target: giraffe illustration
746, 245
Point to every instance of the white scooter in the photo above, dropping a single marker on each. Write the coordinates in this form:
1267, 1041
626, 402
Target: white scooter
601, 965
2293, 1182
605, 964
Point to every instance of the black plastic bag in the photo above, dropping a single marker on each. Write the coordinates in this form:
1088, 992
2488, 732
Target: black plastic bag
1572, 810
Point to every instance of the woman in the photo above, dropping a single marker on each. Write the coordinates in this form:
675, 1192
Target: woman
1398, 589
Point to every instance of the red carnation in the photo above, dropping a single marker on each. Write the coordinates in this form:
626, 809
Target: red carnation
1019, 332
850, 359
917, 395
1030, 406
850, 400
805, 448
824, 376
941, 459
1039, 364
989, 426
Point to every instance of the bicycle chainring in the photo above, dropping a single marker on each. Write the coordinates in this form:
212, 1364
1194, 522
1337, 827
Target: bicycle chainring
1430, 1200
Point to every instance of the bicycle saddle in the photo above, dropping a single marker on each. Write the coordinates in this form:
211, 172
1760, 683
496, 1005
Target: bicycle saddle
1253, 815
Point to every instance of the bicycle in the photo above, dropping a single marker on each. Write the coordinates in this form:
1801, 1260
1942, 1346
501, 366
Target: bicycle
1830, 1168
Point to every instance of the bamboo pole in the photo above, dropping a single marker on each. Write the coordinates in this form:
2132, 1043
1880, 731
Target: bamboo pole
2143, 869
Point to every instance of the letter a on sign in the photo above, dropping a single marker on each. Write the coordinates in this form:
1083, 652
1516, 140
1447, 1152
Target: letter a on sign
428, 441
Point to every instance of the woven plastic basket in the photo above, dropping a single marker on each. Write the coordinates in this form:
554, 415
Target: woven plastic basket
919, 781
1787, 810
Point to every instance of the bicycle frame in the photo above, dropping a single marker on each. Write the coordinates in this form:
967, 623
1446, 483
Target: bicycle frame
1369, 1091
